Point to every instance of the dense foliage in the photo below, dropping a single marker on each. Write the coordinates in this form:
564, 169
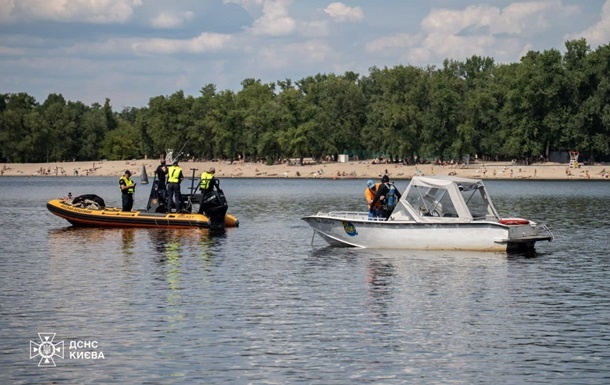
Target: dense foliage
545, 102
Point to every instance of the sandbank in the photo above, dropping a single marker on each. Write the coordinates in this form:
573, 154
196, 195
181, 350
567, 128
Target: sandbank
326, 170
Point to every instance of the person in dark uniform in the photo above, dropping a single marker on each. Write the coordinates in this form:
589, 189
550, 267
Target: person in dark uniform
174, 178
382, 195
128, 188
161, 174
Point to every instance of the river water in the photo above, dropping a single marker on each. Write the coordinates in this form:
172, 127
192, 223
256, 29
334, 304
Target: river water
262, 304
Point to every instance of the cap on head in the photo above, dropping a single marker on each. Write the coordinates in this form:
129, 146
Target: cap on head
385, 179
370, 183
127, 172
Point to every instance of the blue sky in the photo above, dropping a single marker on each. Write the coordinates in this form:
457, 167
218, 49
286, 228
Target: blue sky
132, 50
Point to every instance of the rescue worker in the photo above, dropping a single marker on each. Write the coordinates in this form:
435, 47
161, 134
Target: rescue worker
382, 195
174, 178
161, 173
369, 194
206, 185
128, 188
207, 180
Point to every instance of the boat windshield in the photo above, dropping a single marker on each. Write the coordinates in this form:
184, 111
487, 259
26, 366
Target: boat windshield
467, 201
477, 202
431, 202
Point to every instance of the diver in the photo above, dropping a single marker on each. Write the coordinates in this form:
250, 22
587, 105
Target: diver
388, 195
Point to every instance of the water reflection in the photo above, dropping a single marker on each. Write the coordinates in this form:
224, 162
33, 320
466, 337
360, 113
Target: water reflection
127, 237
379, 275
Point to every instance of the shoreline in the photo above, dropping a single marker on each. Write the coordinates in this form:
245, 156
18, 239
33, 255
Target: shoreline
323, 170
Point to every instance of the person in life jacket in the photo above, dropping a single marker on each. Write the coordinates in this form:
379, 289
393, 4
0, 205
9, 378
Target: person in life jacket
369, 195
388, 195
206, 185
174, 178
128, 188
207, 180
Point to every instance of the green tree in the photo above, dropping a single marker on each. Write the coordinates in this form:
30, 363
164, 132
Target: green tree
121, 143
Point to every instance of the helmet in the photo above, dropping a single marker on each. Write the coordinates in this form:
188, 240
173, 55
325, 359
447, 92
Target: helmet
370, 183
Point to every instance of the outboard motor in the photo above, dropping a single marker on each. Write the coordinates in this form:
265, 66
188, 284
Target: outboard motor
215, 207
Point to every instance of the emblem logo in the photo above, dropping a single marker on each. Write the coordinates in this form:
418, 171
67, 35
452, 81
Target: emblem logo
46, 349
350, 229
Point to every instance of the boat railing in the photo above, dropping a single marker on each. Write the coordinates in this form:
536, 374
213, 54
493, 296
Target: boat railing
542, 228
356, 215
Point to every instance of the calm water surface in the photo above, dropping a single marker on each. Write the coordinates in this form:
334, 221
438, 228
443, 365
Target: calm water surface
262, 305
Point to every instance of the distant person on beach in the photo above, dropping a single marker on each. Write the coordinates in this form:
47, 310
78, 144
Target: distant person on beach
174, 178
369, 195
388, 195
128, 188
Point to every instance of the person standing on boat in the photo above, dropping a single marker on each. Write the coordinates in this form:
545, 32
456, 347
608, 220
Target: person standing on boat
174, 178
369, 194
206, 185
207, 180
128, 188
161, 174
388, 195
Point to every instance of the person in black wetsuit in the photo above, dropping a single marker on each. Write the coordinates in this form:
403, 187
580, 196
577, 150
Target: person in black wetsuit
161, 174
382, 196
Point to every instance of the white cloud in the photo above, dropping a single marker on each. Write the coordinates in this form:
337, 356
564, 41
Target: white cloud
600, 32
318, 28
251, 6
485, 30
389, 44
171, 20
342, 13
275, 20
89, 11
206, 42
294, 55
517, 18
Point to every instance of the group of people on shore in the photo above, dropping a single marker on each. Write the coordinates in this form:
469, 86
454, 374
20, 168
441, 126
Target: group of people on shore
168, 180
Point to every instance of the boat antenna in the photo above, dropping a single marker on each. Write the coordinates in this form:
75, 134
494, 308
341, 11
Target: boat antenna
181, 150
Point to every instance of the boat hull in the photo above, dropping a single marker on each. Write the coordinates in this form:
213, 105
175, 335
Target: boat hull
114, 217
358, 231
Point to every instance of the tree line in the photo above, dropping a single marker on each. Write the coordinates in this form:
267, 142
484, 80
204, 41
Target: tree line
546, 102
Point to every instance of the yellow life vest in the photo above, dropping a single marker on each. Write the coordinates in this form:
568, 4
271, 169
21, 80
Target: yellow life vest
129, 183
173, 174
206, 178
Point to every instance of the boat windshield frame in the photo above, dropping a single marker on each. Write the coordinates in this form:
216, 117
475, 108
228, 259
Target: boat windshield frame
446, 199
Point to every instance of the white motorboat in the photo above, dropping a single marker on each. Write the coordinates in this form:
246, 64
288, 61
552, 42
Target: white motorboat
435, 213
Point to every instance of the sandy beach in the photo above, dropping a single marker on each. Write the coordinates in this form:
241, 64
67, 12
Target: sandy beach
330, 170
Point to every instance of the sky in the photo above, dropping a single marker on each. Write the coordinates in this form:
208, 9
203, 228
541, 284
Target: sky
132, 50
